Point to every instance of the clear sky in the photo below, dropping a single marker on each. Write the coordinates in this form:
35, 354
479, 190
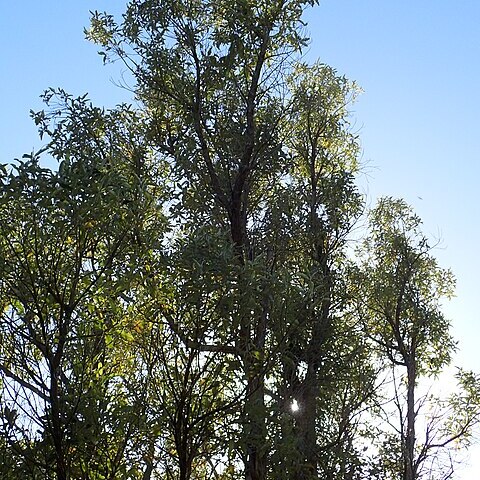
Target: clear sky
419, 65
417, 61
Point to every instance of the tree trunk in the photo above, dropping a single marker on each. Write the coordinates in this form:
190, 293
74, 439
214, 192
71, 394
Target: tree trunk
252, 336
306, 424
409, 460
255, 467
255, 410
56, 427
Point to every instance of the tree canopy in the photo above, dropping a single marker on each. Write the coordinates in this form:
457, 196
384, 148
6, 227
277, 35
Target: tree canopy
193, 293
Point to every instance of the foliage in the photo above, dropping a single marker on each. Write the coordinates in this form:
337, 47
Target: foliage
184, 275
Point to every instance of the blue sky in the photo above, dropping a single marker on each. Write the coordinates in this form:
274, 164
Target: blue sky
43, 46
418, 63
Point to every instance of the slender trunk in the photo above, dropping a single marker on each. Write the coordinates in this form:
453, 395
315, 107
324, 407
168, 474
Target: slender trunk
255, 467
321, 324
149, 465
183, 434
255, 409
252, 336
56, 427
409, 473
306, 424
184, 452
147, 474
185, 468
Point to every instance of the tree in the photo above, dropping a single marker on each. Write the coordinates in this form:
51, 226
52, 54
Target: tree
211, 77
185, 276
68, 250
402, 287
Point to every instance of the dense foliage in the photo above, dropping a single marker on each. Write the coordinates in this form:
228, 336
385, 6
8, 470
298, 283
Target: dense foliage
190, 293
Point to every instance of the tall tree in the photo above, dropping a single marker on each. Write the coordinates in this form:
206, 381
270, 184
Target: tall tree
209, 73
69, 248
402, 287
238, 137
179, 296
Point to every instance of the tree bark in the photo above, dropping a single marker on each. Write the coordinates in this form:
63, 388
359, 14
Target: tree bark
306, 424
56, 427
409, 460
